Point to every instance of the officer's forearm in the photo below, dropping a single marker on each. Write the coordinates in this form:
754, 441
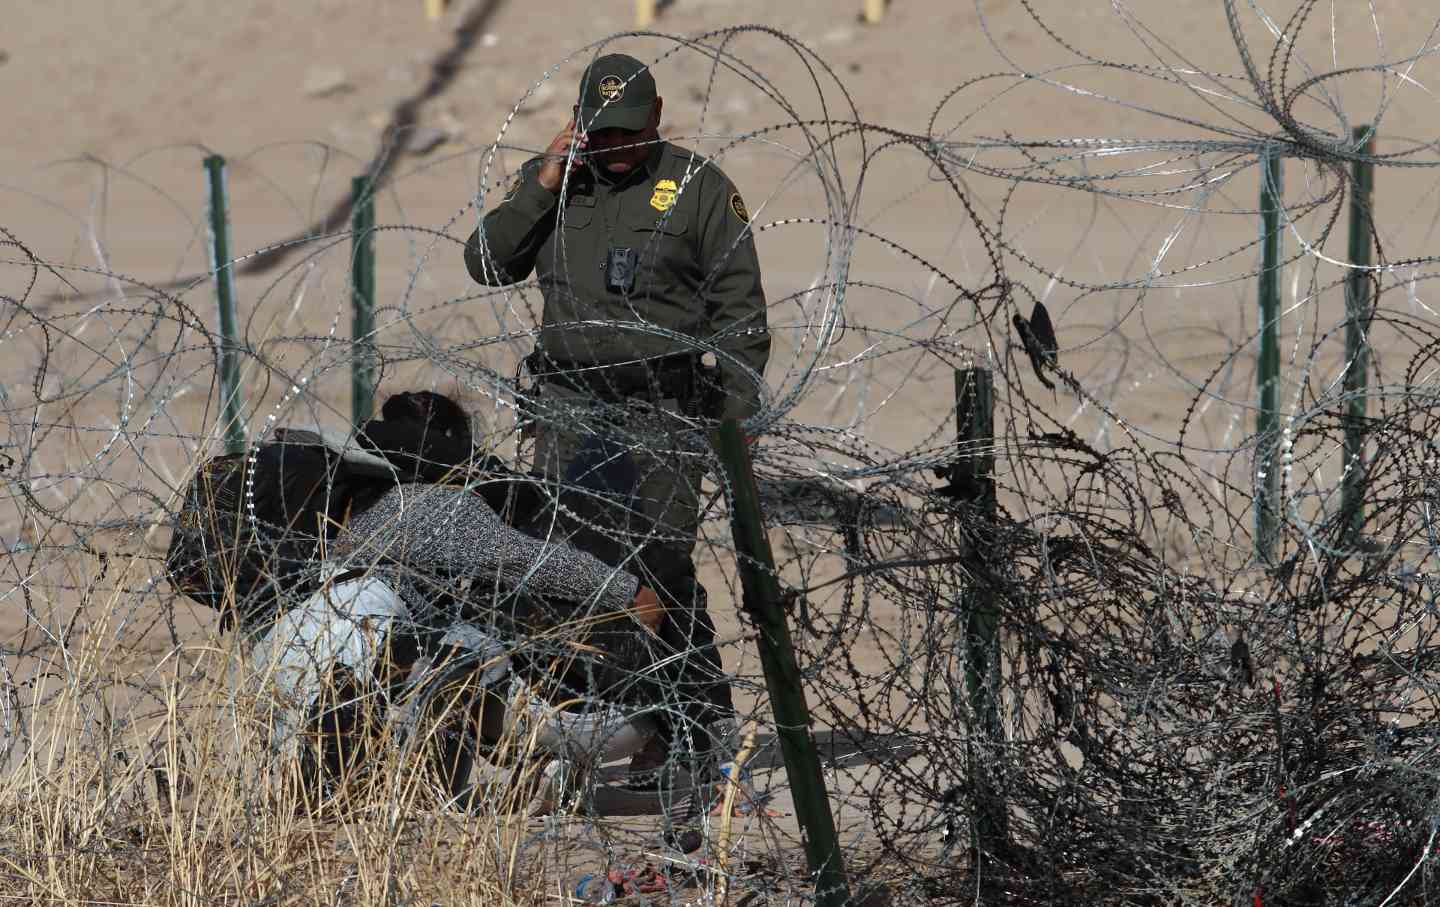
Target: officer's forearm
513, 234
738, 325
742, 370
480, 262
496, 266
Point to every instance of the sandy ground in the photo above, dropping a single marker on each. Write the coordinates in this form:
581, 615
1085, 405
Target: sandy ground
109, 110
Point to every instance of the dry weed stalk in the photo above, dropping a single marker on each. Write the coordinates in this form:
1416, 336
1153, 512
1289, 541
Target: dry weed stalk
727, 815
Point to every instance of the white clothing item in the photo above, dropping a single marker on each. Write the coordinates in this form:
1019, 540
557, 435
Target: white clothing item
579, 741
593, 737
571, 742
343, 625
347, 624
488, 650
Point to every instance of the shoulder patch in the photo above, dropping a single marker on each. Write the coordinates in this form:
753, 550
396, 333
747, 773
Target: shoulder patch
737, 205
517, 179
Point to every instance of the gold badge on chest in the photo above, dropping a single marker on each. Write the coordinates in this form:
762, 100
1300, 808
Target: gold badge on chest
663, 198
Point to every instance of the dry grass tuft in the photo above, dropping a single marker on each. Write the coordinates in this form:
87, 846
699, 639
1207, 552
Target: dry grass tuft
134, 781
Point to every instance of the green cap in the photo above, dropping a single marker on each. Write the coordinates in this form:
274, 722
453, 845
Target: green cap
616, 92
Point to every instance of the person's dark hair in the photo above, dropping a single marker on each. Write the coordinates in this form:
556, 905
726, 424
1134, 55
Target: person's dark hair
437, 411
424, 435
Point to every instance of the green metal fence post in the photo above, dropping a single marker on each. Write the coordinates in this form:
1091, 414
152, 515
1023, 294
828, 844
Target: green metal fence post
973, 473
1357, 314
232, 402
362, 280
1267, 466
782, 672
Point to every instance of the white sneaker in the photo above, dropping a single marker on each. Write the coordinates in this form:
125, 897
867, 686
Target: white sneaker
560, 789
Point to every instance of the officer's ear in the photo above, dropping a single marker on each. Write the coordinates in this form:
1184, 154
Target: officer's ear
655, 112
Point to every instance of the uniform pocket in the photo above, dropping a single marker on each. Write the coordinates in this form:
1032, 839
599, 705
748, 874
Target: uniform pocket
666, 265
579, 211
656, 210
672, 225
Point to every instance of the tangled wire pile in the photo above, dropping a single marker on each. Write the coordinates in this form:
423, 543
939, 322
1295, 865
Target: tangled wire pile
1080, 678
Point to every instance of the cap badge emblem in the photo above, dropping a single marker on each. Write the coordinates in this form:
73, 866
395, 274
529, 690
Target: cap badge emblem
612, 88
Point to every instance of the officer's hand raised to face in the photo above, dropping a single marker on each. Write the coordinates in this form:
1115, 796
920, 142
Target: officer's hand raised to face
552, 171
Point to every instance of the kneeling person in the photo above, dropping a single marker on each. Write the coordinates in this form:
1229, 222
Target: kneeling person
390, 592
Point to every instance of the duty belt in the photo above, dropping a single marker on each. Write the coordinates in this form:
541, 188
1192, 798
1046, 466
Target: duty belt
663, 378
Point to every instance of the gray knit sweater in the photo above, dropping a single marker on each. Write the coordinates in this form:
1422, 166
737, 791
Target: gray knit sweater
444, 530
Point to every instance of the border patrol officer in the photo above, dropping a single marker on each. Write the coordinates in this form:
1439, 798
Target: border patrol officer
644, 255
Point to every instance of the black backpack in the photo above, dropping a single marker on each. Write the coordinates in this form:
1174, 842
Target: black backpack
243, 564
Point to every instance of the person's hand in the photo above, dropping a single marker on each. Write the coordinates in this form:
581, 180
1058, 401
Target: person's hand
647, 608
552, 171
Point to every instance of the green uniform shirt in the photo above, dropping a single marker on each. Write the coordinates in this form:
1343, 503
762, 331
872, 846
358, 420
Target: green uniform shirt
696, 271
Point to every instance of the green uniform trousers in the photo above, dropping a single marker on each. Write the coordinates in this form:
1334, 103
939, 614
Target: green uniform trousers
669, 455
